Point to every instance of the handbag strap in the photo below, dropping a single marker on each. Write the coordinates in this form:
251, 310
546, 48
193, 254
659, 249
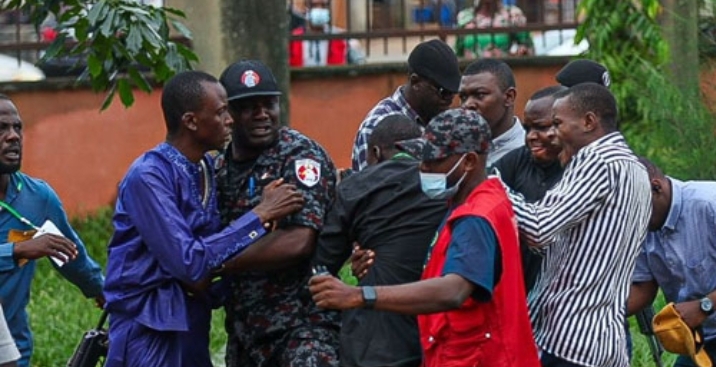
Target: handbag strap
102, 319
17, 215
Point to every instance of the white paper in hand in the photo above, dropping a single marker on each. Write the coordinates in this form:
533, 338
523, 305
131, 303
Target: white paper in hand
51, 228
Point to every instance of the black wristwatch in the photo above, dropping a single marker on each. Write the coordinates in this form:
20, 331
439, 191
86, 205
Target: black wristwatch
707, 306
369, 296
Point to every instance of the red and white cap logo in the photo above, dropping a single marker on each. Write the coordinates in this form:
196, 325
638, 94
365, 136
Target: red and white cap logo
250, 78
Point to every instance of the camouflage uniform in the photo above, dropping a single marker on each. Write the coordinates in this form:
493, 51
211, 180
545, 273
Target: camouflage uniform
271, 318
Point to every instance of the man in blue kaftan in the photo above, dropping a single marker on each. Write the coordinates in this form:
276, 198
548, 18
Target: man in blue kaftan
168, 240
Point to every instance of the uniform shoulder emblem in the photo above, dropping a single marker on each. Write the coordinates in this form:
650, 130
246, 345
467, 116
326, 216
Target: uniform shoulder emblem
308, 172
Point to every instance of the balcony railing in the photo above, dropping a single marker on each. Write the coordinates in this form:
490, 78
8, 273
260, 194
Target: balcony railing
387, 30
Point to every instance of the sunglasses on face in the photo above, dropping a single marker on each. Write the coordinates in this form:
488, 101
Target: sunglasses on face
442, 92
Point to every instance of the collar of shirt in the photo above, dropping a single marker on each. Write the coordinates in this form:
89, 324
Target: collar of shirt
515, 132
611, 138
13, 188
399, 98
675, 208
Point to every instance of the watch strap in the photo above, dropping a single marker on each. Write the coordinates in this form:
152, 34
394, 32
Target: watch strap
369, 296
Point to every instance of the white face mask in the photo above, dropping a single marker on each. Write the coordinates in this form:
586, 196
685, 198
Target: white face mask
434, 185
318, 16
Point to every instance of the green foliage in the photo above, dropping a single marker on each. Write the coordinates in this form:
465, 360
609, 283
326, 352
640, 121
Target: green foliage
120, 39
672, 128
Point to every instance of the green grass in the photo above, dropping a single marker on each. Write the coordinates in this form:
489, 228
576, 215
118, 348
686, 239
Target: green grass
59, 314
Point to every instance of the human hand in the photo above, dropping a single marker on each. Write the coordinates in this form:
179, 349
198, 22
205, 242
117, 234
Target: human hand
330, 292
691, 313
361, 261
99, 301
278, 200
45, 245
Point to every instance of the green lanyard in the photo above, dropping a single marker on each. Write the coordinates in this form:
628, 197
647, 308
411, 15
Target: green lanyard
402, 155
17, 215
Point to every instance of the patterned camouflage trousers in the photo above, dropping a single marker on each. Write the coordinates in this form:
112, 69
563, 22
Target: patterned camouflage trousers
308, 346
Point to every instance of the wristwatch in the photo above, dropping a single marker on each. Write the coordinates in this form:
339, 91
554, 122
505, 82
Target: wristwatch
707, 306
369, 296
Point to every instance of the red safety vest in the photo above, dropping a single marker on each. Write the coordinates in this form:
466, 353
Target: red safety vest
497, 333
337, 50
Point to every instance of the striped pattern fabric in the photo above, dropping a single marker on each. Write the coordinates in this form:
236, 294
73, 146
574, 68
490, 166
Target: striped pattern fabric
395, 104
590, 227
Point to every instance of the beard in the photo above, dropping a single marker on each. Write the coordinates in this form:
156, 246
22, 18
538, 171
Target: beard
6, 169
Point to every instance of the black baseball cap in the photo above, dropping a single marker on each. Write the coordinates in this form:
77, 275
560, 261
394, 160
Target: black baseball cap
583, 71
436, 61
249, 78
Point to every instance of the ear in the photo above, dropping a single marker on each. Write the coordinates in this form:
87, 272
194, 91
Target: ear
375, 150
510, 97
656, 186
189, 121
472, 161
591, 122
414, 79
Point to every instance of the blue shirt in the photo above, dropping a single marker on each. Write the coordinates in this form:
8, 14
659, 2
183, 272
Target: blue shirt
473, 254
681, 256
35, 200
166, 233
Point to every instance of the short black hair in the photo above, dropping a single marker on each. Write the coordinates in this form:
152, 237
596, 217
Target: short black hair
392, 129
496, 67
651, 168
547, 92
595, 98
181, 94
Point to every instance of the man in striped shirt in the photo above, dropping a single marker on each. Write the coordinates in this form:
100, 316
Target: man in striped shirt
590, 227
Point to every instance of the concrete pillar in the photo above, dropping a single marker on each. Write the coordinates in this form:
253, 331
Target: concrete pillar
204, 20
360, 12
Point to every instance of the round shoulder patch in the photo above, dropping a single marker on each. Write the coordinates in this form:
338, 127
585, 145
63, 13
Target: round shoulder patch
308, 172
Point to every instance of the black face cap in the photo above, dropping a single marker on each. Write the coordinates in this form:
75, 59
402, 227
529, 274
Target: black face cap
583, 71
249, 78
436, 61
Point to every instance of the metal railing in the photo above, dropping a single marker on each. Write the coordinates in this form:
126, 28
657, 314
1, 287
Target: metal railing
387, 30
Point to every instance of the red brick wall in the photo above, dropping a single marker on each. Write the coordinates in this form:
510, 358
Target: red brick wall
83, 153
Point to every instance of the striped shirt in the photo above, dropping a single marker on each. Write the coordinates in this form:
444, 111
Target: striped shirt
590, 226
394, 104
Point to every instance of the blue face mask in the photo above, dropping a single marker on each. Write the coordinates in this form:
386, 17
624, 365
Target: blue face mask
318, 16
434, 185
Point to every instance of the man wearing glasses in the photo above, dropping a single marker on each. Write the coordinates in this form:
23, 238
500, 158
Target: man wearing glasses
433, 81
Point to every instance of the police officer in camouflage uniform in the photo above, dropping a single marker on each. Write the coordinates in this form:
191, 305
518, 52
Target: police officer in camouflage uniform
271, 319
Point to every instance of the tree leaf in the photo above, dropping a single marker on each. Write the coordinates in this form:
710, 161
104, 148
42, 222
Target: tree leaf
94, 65
109, 97
97, 12
139, 79
107, 28
134, 39
181, 28
125, 92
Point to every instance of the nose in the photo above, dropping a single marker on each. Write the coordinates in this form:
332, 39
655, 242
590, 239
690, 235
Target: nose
551, 132
470, 104
532, 134
13, 134
228, 120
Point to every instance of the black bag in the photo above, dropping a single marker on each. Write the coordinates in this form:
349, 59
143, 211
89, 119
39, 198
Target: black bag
92, 348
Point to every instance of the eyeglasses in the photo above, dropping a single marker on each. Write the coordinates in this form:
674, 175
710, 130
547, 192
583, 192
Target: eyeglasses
442, 92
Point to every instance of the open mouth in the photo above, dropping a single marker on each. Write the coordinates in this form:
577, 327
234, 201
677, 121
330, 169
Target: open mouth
11, 153
261, 131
